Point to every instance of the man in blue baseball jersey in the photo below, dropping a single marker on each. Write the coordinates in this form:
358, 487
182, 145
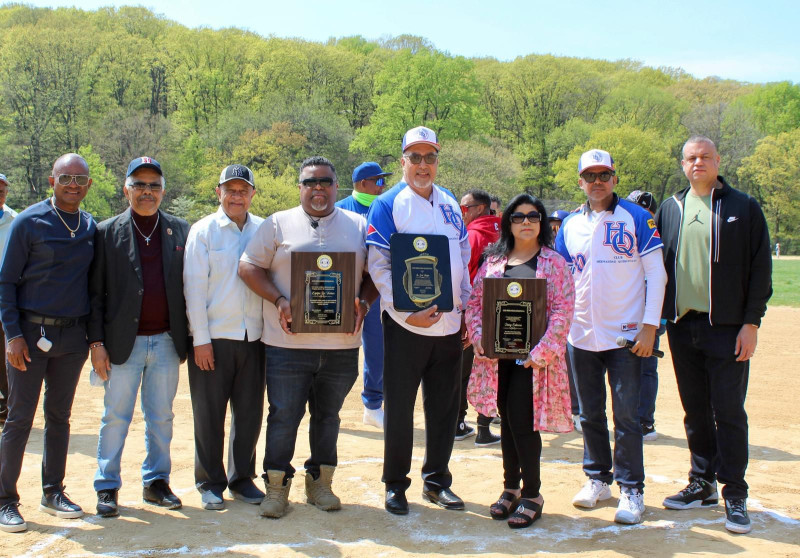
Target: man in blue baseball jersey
428, 340
369, 180
614, 251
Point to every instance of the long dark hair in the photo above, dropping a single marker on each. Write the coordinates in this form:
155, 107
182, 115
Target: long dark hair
505, 243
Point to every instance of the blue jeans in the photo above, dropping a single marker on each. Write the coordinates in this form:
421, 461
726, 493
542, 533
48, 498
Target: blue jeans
624, 373
321, 378
372, 340
153, 364
649, 389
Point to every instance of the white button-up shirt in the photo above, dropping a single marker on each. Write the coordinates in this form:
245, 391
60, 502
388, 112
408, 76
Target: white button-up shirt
218, 303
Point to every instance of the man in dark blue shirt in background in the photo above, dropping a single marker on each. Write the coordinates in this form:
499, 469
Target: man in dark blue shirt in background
369, 179
44, 300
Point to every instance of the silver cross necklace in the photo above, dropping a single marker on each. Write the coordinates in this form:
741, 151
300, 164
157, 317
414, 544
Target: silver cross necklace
147, 237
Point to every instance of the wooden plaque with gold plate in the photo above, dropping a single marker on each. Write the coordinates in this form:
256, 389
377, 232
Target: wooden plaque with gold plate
323, 292
514, 316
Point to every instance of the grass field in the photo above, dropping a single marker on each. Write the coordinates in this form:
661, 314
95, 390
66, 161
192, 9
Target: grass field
785, 282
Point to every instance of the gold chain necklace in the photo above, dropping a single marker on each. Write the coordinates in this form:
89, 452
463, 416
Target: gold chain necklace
71, 231
147, 237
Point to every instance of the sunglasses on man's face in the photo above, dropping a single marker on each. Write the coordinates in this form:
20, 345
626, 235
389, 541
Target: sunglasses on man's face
66, 179
378, 181
416, 158
590, 177
312, 182
532, 217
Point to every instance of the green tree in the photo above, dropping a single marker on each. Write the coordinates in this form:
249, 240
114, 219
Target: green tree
772, 168
471, 164
775, 106
427, 88
102, 200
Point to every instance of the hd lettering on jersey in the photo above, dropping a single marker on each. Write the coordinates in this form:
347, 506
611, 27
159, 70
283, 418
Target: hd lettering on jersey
619, 239
578, 262
451, 217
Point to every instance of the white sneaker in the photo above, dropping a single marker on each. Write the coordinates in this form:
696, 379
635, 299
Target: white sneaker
576, 422
374, 417
591, 492
631, 507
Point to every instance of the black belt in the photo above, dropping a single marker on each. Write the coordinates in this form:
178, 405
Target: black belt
695, 315
58, 322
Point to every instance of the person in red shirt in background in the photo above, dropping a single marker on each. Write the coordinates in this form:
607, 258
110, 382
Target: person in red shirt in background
483, 229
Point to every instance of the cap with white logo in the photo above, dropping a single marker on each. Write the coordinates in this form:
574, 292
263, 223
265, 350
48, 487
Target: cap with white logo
237, 172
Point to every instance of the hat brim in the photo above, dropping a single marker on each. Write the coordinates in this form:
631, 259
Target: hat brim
413, 143
145, 166
236, 178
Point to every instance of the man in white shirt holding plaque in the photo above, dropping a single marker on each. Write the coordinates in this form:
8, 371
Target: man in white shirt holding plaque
430, 341
314, 369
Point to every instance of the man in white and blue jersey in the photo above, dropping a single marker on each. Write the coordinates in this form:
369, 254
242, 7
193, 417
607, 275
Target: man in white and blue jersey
422, 346
368, 182
614, 251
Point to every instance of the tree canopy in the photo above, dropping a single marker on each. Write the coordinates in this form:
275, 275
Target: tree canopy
200, 99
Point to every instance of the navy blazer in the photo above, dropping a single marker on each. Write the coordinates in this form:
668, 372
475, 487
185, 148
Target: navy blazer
116, 286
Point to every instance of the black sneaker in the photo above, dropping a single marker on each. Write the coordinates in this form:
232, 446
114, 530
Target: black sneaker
736, 518
160, 494
649, 432
464, 431
698, 494
485, 437
107, 503
58, 504
10, 519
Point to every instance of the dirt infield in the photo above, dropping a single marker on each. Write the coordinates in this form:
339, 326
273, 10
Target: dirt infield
363, 528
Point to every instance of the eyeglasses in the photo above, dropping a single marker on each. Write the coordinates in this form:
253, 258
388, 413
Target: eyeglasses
532, 217
311, 182
416, 158
235, 193
66, 179
154, 187
590, 177
378, 181
465, 208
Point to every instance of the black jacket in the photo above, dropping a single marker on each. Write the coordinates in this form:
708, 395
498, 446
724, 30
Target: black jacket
741, 263
116, 287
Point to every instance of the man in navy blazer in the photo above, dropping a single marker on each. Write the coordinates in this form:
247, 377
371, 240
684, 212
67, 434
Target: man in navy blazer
138, 333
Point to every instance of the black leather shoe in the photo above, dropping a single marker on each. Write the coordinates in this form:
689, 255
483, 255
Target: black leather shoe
107, 503
444, 498
58, 504
160, 494
396, 502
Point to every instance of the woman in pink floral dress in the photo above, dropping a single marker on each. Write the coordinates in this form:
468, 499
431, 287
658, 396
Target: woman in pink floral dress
534, 396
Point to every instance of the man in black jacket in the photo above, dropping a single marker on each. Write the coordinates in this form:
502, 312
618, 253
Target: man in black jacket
717, 256
138, 332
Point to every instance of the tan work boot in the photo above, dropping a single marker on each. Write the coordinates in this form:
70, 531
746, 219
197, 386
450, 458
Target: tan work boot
276, 500
319, 493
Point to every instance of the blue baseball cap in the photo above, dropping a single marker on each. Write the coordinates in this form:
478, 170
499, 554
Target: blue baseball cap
143, 162
558, 215
368, 170
420, 134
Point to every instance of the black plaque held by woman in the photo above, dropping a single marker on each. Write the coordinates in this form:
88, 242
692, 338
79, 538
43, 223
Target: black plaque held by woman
323, 292
514, 316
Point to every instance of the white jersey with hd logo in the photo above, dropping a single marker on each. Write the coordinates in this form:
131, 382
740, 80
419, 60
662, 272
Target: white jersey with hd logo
604, 252
402, 210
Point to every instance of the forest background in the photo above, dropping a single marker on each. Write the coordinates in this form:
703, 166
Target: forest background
118, 83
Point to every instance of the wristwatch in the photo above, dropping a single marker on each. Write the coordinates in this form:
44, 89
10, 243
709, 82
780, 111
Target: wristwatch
364, 302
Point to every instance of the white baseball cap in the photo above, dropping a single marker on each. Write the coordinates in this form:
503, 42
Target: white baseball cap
420, 134
595, 158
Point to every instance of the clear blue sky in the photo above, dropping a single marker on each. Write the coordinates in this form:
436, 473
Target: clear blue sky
746, 40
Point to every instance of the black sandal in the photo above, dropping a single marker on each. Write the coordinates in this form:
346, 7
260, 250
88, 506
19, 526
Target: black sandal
525, 505
504, 505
